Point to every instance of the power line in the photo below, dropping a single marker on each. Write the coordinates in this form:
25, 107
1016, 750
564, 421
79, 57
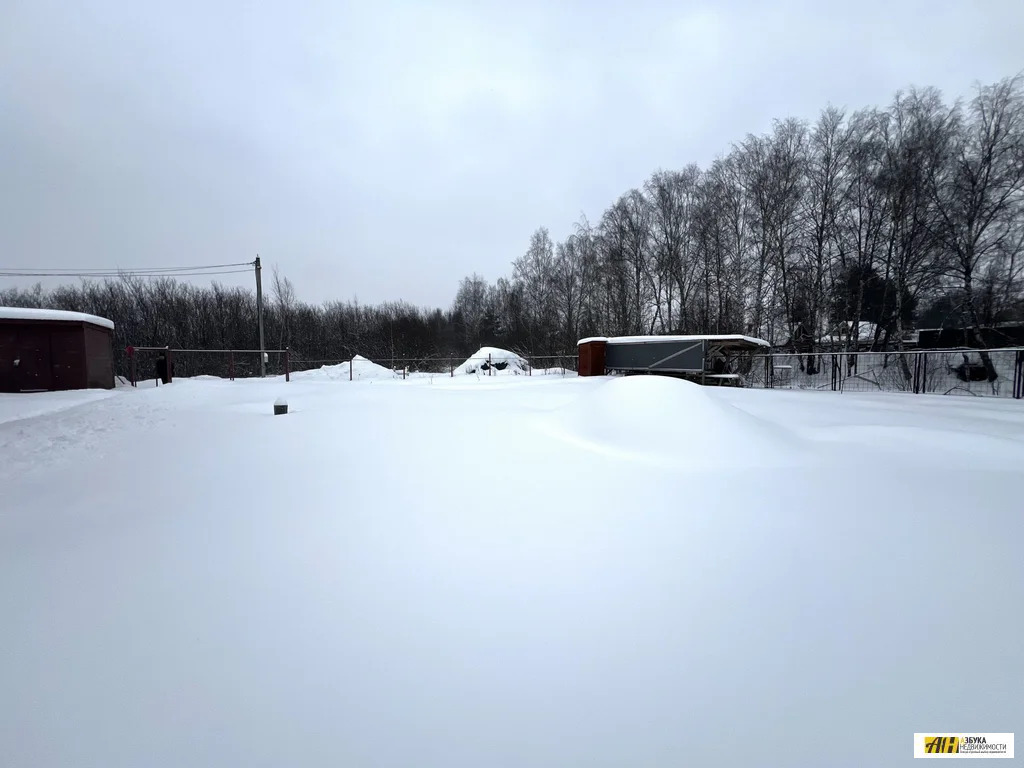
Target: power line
121, 273
71, 271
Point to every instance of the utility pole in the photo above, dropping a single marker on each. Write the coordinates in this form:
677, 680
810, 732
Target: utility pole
259, 313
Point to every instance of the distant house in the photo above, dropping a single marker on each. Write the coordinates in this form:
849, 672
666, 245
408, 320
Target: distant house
863, 336
993, 337
850, 334
844, 335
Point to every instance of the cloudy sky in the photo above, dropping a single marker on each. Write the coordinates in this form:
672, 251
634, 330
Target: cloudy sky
383, 150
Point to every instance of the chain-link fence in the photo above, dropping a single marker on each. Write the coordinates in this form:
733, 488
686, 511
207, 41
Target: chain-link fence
980, 372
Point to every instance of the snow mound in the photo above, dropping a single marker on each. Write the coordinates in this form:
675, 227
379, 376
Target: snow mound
503, 361
667, 420
362, 369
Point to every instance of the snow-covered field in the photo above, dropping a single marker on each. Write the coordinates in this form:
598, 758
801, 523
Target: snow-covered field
504, 571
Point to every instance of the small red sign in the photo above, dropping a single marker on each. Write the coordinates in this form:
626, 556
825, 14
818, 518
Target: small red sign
130, 350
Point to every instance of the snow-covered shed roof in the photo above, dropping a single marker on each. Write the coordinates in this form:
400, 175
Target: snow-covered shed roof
26, 313
713, 338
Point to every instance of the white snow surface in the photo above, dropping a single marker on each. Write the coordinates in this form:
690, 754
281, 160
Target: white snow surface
657, 339
537, 571
26, 313
14, 407
514, 364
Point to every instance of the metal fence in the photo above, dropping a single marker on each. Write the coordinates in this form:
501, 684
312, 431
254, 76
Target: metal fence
167, 363
983, 373
977, 372
406, 367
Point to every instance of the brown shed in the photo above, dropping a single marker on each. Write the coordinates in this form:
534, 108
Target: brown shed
49, 349
591, 356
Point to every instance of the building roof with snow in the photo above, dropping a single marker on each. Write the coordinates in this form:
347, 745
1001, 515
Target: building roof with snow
844, 331
57, 315
718, 339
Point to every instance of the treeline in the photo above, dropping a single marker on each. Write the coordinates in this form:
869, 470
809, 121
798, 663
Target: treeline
167, 312
907, 216
912, 215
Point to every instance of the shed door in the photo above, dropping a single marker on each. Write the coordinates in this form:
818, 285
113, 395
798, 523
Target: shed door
32, 360
8, 353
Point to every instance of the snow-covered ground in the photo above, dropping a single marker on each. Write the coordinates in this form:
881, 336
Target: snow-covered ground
14, 407
505, 571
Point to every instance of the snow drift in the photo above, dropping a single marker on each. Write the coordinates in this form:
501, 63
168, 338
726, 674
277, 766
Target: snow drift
503, 361
362, 369
368, 582
663, 419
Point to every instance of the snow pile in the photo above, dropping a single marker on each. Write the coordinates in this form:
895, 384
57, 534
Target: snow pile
58, 315
362, 369
663, 419
503, 362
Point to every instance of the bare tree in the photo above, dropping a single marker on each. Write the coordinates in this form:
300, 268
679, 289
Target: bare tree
572, 272
626, 228
672, 199
979, 191
283, 297
534, 272
861, 222
916, 131
470, 308
774, 176
821, 210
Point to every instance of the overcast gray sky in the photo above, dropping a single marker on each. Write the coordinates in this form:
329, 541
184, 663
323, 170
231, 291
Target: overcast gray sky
386, 149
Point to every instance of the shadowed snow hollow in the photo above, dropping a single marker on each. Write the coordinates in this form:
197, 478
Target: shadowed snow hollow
667, 420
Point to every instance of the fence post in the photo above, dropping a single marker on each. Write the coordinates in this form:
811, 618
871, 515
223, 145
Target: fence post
490, 365
170, 366
835, 373
350, 370
1019, 376
135, 381
451, 369
287, 365
769, 380
231, 365
917, 374
404, 369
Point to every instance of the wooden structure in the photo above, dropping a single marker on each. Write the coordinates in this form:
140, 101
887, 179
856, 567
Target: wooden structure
43, 350
591, 357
